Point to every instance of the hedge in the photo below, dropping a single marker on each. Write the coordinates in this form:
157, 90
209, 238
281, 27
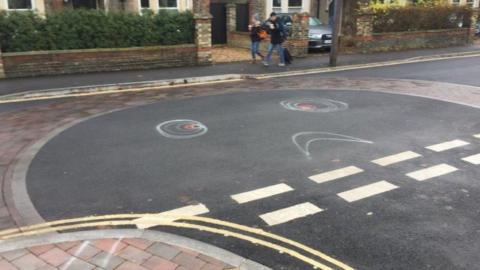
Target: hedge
419, 18
87, 29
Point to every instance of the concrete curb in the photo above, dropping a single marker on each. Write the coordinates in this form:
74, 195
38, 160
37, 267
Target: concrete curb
192, 81
174, 240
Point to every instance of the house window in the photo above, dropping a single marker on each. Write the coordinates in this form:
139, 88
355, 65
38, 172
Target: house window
144, 4
20, 4
295, 6
277, 6
289, 6
168, 4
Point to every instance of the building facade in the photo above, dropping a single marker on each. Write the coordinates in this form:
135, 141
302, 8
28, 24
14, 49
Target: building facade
44, 6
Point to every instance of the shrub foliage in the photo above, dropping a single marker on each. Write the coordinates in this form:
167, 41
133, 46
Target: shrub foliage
419, 18
86, 29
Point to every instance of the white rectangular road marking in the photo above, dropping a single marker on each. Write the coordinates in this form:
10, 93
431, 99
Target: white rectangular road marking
261, 193
290, 213
475, 159
447, 145
152, 220
366, 191
335, 174
431, 172
389, 160
477, 135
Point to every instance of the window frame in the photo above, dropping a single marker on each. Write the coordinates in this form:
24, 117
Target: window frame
169, 8
32, 4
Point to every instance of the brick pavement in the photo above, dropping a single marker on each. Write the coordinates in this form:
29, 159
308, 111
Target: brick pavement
108, 254
229, 55
21, 129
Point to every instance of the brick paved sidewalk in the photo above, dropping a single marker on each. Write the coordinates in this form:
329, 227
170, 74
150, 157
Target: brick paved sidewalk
110, 253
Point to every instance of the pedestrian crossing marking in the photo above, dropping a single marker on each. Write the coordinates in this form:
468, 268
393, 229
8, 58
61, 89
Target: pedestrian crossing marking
389, 160
431, 172
447, 145
366, 191
290, 213
189, 210
261, 193
335, 174
475, 159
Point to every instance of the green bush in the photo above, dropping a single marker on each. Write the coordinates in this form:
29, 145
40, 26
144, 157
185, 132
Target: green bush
86, 29
419, 18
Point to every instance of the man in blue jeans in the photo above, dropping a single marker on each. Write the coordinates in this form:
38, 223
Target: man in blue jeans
276, 39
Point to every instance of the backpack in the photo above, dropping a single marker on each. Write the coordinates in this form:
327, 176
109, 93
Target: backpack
262, 34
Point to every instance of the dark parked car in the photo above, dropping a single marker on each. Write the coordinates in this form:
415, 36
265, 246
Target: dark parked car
477, 30
319, 35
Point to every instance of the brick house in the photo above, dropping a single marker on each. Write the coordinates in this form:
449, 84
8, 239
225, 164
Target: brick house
44, 6
316, 8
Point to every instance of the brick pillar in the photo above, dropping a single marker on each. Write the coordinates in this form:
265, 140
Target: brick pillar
364, 29
2, 71
201, 7
203, 38
231, 17
365, 24
473, 25
257, 8
298, 42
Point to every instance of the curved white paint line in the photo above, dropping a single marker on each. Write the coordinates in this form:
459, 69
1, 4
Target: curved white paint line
327, 136
201, 126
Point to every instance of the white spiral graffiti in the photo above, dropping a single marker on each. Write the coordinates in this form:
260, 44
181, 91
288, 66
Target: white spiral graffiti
320, 105
182, 129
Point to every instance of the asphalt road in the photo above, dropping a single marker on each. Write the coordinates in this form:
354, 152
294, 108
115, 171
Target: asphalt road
16, 85
460, 71
118, 164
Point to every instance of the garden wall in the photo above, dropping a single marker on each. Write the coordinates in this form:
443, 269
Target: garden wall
27, 64
382, 42
381, 32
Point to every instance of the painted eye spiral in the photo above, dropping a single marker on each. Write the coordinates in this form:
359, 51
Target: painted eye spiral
320, 105
182, 129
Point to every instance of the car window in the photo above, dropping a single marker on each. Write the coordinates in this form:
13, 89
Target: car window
314, 21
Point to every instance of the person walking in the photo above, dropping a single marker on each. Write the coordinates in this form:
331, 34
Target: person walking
257, 34
277, 35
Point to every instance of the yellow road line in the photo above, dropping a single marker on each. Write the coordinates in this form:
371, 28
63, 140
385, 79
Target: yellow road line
362, 66
244, 228
162, 222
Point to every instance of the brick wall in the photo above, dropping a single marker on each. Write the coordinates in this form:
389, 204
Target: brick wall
411, 40
96, 60
242, 40
365, 41
259, 8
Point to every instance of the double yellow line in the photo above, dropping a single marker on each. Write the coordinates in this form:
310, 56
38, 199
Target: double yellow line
283, 245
